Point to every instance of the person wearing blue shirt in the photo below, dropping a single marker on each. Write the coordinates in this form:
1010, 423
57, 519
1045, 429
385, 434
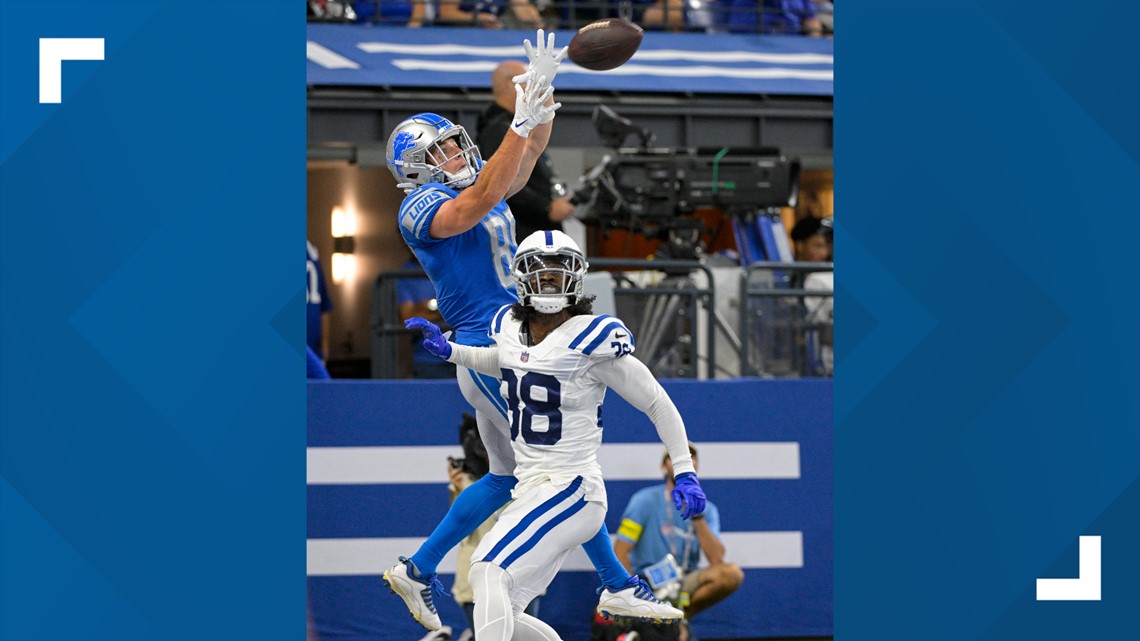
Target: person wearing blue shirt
457, 222
318, 304
651, 530
390, 12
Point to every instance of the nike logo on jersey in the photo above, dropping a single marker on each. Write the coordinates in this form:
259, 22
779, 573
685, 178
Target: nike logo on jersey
620, 335
519, 124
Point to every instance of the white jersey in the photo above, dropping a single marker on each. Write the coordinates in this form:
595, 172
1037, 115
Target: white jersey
554, 393
555, 403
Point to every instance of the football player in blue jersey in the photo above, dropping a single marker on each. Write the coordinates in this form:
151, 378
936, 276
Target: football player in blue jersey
457, 222
557, 360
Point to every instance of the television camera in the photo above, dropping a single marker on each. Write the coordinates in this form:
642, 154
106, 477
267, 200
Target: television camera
651, 191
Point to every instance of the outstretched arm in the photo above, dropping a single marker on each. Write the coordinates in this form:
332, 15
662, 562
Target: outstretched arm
484, 360
631, 379
532, 108
480, 359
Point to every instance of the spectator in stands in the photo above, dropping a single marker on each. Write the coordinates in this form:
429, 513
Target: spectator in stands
772, 16
663, 14
539, 205
318, 305
489, 14
416, 297
791, 17
679, 15
812, 239
654, 542
410, 13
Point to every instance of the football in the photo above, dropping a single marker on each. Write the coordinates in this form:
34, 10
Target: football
605, 44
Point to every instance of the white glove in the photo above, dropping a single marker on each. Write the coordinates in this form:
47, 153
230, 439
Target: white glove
530, 106
543, 61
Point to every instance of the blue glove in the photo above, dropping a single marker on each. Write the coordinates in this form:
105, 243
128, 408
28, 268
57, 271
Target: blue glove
434, 340
688, 495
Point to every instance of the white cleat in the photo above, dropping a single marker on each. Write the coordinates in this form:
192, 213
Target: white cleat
416, 593
636, 601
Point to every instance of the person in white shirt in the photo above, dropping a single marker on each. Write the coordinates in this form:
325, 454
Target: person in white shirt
556, 360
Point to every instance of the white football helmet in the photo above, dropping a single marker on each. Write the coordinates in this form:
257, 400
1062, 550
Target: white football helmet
415, 157
548, 269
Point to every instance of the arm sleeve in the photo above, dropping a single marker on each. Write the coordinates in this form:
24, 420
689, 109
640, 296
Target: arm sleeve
631, 379
481, 359
416, 214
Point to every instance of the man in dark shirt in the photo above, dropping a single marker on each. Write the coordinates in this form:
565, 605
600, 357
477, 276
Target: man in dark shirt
536, 207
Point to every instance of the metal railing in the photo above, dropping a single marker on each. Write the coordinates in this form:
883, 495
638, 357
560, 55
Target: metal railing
660, 302
785, 328
657, 299
387, 330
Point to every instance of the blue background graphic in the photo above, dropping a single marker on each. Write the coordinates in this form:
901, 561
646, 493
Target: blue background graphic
986, 385
151, 396
152, 451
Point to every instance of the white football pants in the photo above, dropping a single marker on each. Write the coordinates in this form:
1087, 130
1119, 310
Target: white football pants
519, 557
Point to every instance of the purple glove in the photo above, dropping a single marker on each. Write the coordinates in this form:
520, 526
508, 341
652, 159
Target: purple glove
689, 495
434, 341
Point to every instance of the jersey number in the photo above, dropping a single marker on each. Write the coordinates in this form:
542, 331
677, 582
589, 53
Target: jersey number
522, 420
499, 229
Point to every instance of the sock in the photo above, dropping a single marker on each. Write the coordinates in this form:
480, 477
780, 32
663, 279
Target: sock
473, 506
601, 552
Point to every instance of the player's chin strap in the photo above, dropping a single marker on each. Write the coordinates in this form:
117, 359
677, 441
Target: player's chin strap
460, 179
549, 304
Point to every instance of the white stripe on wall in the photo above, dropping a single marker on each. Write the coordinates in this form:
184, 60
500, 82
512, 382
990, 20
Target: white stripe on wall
327, 58
628, 69
620, 462
512, 51
364, 557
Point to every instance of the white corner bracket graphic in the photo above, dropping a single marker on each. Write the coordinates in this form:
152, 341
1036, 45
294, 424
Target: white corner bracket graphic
1086, 587
53, 51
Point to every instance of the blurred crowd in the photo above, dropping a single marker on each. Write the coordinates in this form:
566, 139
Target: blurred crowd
812, 18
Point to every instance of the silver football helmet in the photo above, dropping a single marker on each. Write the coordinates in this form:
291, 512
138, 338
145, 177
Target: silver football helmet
415, 155
548, 270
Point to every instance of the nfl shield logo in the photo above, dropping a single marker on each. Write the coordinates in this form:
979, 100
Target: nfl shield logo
525, 357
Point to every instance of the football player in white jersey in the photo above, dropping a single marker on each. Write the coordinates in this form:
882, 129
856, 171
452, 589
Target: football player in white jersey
556, 360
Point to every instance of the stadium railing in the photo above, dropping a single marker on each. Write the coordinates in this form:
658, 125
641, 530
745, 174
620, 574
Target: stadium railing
786, 329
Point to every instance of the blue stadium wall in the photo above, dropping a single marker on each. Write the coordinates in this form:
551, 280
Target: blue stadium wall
377, 486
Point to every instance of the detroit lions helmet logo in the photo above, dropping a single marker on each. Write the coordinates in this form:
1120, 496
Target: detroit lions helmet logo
403, 142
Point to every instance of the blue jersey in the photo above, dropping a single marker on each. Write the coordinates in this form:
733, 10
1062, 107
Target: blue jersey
317, 299
655, 528
472, 271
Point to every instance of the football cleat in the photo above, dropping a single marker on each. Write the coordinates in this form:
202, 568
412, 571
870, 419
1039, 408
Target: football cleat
636, 601
416, 592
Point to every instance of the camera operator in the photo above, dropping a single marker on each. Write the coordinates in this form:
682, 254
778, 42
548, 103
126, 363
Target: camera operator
654, 542
462, 473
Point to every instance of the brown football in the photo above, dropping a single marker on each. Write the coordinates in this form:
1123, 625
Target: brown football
605, 44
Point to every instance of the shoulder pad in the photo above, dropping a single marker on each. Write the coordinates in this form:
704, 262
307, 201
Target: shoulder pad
418, 209
604, 337
501, 317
